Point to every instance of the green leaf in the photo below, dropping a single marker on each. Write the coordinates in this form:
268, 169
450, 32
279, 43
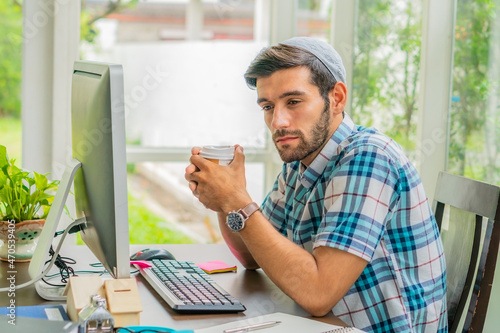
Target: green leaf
23, 193
52, 186
44, 196
40, 181
4, 160
29, 182
46, 210
3, 180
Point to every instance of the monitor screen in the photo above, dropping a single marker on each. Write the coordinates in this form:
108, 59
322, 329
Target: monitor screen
98, 142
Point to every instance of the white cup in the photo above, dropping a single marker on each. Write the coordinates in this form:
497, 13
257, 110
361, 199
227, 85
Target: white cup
222, 155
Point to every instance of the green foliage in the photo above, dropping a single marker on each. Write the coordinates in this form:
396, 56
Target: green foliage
145, 227
88, 17
470, 81
131, 168
24, 195
386, 83
10, 58
88, 30
148, 228
404, 91
369, 69
386, 67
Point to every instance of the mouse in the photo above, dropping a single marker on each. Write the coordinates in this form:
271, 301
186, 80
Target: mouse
150, 254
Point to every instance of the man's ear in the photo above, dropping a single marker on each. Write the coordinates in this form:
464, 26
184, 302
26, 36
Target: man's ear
338, 98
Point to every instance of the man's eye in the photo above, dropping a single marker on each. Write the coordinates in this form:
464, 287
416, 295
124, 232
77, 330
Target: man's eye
293, 102
267, 107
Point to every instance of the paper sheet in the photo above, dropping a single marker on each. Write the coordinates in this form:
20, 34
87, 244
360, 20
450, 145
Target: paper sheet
289, 324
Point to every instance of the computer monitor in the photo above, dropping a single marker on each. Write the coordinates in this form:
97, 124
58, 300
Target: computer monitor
98, 170
98, 142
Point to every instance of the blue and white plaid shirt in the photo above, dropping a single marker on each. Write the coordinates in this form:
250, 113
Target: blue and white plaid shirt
362, 195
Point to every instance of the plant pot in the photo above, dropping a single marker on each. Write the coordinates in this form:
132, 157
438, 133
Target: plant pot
18, 240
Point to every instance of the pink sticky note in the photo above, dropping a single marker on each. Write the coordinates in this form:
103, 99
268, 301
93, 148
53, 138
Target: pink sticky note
216, 266
141, 263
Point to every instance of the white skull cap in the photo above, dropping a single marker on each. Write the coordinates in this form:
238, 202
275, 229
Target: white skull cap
324, 52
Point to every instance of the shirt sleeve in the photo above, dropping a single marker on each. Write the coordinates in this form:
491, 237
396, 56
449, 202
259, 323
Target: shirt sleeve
358, 202
273, 207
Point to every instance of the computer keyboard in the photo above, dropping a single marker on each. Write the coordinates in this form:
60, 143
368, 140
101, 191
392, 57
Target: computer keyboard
188, 289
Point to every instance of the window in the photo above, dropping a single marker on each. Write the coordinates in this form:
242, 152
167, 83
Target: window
474, 149
183, 65
386, 68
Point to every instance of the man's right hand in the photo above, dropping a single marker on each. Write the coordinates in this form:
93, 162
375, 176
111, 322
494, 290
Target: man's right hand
219, 188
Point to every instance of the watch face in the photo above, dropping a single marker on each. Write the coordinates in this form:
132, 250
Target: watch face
234, 221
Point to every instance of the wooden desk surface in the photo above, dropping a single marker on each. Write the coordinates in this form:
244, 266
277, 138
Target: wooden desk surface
253, 288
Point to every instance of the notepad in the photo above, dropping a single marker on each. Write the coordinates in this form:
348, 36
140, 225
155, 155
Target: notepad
216, 266
288, 323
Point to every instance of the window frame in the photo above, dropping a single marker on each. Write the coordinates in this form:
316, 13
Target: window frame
47, 123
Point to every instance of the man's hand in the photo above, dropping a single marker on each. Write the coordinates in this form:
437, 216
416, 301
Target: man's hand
222, 189
190, 169
219, 188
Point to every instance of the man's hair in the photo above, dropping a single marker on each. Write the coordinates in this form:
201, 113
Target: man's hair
282, 56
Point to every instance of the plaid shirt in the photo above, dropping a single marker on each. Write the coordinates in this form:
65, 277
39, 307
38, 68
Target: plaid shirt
363, 196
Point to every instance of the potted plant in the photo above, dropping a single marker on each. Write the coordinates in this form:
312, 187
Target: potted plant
25, 200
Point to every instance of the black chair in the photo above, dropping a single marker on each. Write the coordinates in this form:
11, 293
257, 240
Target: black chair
468, 215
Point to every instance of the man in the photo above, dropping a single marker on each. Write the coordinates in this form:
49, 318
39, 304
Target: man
347, 226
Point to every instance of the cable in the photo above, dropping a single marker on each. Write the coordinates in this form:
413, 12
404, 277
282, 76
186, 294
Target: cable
65, 271
54, 258
78, 272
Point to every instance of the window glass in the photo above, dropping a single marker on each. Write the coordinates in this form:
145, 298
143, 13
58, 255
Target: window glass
163, 210
10, 78
474, 147
313, 18
386, 68
183, 65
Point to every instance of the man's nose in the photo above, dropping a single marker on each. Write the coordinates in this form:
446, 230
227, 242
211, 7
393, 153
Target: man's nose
281, 118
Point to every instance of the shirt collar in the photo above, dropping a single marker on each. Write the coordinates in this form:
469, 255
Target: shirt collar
309, 175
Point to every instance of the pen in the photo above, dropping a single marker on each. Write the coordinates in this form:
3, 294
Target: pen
252, 327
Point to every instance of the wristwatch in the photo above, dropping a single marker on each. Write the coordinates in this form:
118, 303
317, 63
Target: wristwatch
235, 220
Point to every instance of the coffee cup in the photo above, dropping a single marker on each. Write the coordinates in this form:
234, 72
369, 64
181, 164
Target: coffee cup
221, 155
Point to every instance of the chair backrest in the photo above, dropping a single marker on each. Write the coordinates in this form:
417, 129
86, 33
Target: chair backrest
468, 216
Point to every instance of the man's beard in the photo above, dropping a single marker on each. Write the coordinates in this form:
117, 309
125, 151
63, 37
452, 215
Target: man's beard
319, 134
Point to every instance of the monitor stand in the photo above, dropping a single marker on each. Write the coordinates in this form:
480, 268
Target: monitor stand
41, 254
50, 293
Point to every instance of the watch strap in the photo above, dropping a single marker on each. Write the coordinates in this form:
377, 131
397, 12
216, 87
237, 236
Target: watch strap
249, 210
